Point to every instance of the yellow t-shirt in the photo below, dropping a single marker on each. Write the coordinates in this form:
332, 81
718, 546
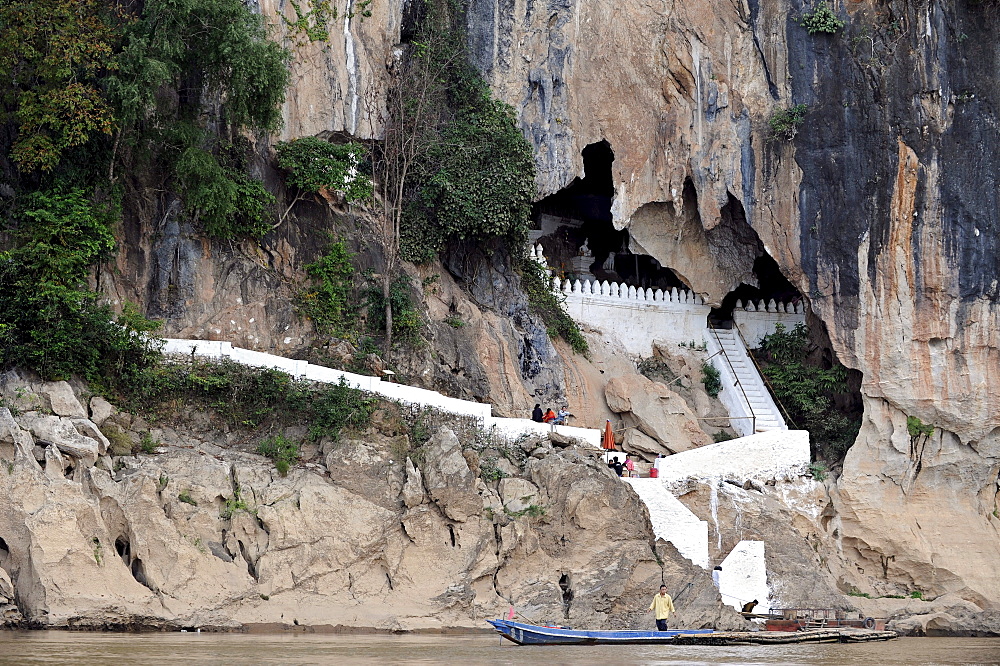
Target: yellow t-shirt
662, 606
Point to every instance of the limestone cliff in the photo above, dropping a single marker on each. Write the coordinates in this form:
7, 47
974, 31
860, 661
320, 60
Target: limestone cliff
882, 212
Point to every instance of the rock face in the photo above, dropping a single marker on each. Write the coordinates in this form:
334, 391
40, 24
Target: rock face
895, 486
657, 419
203, 535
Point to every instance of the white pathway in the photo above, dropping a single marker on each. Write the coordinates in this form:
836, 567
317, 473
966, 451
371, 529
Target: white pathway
743, 391
672, 521
510, 429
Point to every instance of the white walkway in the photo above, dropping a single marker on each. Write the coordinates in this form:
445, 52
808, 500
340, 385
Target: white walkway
509, 429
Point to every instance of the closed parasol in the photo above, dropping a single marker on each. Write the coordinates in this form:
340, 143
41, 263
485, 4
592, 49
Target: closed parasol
609, 437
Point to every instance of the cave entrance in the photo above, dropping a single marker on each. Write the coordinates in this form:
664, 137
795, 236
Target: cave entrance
769, 281
575, 229
771, 284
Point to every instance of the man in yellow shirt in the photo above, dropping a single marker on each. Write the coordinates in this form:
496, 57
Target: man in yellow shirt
662, 607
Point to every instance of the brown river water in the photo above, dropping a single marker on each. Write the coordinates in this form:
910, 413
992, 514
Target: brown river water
160, 649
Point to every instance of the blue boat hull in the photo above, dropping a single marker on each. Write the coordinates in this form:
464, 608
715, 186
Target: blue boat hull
530, 634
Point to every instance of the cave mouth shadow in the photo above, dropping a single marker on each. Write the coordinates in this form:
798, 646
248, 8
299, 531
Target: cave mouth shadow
576, 230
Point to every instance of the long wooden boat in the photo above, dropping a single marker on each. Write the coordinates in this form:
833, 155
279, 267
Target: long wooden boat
531, 634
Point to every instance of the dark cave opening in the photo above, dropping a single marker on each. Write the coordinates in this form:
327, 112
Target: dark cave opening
123, 548
771, 284
567, 593
575, 228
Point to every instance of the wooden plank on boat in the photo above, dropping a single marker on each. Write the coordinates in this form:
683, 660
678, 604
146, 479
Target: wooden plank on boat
836, 635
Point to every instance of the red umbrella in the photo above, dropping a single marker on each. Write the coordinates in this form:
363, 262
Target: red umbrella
608, 442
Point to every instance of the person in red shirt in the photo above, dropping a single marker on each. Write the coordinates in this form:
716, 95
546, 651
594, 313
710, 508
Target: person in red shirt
549, 415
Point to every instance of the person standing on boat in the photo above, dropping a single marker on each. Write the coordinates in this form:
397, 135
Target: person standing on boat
662, 606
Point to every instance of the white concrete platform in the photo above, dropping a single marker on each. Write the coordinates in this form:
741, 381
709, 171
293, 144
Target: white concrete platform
779, 454
744, 577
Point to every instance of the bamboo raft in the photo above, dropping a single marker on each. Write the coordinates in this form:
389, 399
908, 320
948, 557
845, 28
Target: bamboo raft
833, 635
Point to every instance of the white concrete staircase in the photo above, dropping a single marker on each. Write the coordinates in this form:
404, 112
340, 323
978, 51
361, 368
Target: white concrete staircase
672, 521
743, 391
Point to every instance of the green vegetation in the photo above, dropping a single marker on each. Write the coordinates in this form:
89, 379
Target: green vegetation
785, 123
420, 431
453, 163
917, 428
821, 20
49, 321
711, 379
721, 436
55, 55
531, 511
406, 320
246, 397
454, 322
185, 496
855, 592
808, 392
916, 594
479, 192
111, 102
490, 471
547, 305
818, 470
314, 165
312, 24
233, 505
283, 451
147, 444
328, 301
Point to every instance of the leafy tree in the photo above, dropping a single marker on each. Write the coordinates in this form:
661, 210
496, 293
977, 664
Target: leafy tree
50, 322
53, 55
807, 390
314, 165
202, 50
452, 163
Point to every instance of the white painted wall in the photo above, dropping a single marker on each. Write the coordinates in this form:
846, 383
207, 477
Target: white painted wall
756, 321
636, 317
509, 429
744, 577
779, 454
672, 521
